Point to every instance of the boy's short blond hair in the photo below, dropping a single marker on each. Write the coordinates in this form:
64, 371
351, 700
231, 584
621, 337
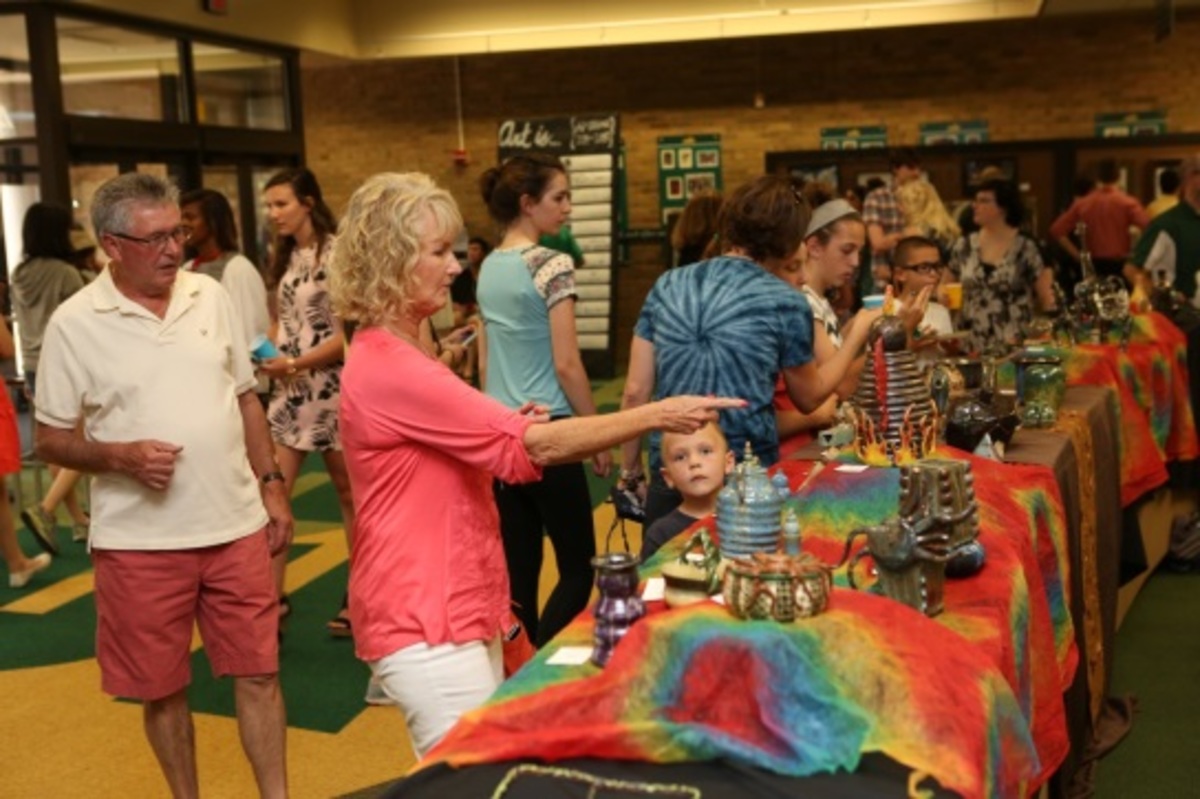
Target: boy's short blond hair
668, 434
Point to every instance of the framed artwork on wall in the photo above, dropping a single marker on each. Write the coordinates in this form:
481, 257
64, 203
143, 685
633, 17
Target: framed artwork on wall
824, 173
973, 167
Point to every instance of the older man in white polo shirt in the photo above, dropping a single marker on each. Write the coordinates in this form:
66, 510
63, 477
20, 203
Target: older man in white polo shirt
149, 359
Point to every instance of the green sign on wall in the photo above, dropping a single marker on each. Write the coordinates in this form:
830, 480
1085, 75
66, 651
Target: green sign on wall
862, 137
1131, 123
973, 131
687, 165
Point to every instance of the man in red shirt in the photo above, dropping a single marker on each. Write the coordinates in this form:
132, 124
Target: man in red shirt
1108, 213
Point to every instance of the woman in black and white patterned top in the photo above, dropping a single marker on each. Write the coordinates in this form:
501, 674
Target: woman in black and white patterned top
1001, 270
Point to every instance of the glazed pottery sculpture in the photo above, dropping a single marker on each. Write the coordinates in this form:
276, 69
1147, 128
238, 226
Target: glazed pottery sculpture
777, 587
749, 508
910, 553
619, 605
693, 576
895, 416
976, 426
944, 488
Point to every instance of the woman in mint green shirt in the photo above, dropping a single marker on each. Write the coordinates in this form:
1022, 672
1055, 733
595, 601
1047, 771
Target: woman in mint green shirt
529, 352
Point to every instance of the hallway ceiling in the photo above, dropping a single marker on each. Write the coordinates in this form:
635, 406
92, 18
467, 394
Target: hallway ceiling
368, 29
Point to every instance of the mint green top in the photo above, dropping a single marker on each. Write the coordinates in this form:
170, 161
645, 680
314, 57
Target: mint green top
517, 288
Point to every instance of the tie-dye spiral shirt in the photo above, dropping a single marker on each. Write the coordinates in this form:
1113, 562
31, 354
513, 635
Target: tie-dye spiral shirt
727, 327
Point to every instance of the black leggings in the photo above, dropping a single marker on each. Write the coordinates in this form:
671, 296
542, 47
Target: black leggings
560, 504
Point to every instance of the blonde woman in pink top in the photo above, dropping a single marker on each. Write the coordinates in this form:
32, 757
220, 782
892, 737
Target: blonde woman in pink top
428, 587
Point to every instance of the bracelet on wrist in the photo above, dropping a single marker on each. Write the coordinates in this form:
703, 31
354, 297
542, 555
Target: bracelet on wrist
291, 366
271, 477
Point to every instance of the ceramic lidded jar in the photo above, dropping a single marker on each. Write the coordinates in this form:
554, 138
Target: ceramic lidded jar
749, 509
1041, 386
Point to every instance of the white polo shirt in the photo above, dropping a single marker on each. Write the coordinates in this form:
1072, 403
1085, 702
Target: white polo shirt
130, 375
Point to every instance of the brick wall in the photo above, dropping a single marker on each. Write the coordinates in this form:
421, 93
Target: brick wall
1037, 79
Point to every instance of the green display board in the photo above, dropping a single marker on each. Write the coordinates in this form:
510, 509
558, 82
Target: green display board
972, 131
1131, 123
687, 165
856, 138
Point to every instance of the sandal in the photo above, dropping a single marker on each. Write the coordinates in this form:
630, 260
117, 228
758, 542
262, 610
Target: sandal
339, 627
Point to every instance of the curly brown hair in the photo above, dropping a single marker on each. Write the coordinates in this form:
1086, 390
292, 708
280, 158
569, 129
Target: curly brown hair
766, 218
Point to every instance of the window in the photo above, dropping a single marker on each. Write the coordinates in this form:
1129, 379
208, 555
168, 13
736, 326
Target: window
109, 71
235, 88
16, 91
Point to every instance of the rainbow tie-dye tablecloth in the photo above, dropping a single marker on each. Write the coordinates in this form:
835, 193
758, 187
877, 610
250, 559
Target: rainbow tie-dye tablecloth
1150, 377
972, 698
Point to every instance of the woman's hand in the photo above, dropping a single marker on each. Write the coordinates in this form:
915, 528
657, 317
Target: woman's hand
602, 463
538, 413
280, 367
687, 414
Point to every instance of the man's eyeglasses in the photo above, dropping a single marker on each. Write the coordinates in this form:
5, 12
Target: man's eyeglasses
157, 241
925, 267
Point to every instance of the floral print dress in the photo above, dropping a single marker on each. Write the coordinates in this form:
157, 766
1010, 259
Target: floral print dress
303, 411
998, 299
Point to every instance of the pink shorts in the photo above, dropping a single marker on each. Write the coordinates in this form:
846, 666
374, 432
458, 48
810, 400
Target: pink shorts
147, 602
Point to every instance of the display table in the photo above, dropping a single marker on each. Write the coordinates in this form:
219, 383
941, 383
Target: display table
1153, 393
973, 698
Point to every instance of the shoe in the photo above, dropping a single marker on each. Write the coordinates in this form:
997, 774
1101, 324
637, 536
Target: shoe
79, 531
339, 627
36, 564
376, 695
43, 526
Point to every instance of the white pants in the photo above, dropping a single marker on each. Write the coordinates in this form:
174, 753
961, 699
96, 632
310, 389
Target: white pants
434, 685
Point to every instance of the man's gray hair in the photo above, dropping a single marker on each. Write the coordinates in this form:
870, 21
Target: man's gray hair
113, 202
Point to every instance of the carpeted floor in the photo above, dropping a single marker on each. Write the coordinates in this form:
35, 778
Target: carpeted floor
1158, 661
62, 737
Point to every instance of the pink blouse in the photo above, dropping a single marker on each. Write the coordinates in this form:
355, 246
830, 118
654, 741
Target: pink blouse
421, 448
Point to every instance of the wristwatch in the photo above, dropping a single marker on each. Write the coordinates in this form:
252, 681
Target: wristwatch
271, 477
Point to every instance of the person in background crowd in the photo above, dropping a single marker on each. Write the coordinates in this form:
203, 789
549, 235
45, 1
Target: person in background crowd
189, 502
21, 568
1001, 270
1171, 243
1109, 213
696, 227
462, 291
429, 591
1168, 193
212, 248
918, 267
40, 284
562, 240
925, 215
303, 410
966, 217
884, 217
727, 326
530, 353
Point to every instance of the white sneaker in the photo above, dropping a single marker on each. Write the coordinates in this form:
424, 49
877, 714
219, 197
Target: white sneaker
36, 564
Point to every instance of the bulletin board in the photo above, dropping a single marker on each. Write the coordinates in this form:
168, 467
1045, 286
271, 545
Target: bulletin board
687, 165
589, 146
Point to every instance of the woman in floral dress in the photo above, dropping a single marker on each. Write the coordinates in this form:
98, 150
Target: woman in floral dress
1001, 270
303, 411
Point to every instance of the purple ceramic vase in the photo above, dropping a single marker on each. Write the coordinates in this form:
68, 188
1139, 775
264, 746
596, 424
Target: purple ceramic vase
619, 605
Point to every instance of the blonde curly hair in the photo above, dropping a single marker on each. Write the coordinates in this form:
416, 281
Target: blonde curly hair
923, 208
379, 242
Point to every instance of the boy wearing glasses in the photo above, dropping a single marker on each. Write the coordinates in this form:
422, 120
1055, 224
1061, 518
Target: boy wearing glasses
917, 264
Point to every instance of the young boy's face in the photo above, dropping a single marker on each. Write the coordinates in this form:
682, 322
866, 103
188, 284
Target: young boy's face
696, 465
